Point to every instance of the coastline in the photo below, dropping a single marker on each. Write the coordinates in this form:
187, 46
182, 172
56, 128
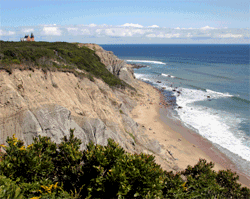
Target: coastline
185, 144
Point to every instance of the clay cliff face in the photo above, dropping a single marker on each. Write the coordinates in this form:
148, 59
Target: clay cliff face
116, 66
35, 103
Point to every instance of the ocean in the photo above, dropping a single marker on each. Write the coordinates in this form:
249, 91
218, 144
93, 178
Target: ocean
208, 87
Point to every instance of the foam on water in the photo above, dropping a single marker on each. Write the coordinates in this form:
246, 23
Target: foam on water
167, 75
142, 77
219, 127
218, 94
146, 61
216, 126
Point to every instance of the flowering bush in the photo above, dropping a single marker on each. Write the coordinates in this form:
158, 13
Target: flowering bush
46, 170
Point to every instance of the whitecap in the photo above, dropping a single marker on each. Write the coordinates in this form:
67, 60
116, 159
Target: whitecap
146, 61
218, 94
215, 125
167, 75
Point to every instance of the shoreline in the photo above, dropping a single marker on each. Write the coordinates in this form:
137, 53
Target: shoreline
205, 145
185, 144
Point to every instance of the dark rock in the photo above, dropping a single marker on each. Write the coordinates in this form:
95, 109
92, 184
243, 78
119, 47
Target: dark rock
137, 66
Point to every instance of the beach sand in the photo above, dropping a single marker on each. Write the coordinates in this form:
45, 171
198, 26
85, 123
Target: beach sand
185, 145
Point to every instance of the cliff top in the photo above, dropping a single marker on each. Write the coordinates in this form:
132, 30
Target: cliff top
56, 56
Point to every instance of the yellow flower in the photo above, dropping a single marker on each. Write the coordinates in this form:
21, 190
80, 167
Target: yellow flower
55, 186
3, 145
35, 197
49, 188
29, 145
183, 185
14, 137
22, 148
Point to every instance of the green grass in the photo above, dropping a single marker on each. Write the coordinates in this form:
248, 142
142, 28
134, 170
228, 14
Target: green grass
131, 135
121, 111
56, 56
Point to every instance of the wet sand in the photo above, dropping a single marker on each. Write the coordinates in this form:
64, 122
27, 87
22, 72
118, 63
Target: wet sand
186, 146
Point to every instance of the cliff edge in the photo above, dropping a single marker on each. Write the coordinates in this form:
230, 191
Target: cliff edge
34, 102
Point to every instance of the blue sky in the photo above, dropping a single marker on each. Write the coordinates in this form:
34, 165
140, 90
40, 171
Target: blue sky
121, 21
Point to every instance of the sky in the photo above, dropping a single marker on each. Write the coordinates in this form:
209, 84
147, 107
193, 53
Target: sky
126, 21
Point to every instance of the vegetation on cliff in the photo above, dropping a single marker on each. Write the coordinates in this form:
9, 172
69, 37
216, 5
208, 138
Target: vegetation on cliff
47, 170
55, 56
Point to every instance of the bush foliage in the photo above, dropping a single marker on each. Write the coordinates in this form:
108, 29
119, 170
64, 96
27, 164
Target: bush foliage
56, 55
47, 170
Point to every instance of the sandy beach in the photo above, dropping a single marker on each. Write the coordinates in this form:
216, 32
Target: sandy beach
184, 145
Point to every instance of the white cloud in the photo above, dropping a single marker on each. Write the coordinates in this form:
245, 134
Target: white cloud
28, 30
132, 25
230, 35
72, 29
6, 33
92, 25
99, 31
207, 28
85, 31
162, 35
203, 28
124, 32
109, 32
52, 31
128, 32
151, 35
154, 26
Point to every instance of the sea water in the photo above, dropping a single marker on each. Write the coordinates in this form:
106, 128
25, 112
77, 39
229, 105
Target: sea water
208, 86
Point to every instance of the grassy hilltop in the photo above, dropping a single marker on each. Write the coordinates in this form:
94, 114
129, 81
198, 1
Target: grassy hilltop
55, 56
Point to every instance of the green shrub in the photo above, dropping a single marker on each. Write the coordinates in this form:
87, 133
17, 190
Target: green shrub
90, 77
110, 172
48, 170
44, 54
16, 61
9, 189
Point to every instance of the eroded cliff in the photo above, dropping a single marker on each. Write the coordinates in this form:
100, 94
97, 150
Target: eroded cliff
34, 103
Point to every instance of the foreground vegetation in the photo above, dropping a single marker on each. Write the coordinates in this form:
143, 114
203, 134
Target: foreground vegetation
55, 56
47, 170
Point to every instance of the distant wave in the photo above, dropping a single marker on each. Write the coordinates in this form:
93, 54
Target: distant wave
208, 74
167, 75
196, 87
147, 61
157, 73
219, 94
236, 98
